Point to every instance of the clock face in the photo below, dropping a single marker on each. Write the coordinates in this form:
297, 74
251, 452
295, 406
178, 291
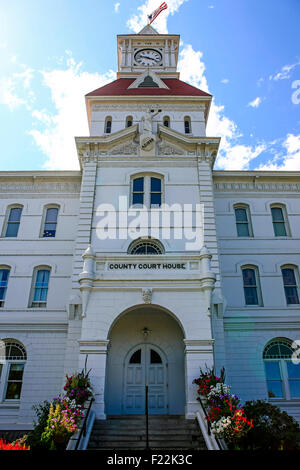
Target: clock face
148, 57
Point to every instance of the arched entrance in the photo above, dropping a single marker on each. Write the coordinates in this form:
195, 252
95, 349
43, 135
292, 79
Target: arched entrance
146, 348
145, 365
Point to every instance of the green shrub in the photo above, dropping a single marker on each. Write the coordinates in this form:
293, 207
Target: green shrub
273, 429
34, 437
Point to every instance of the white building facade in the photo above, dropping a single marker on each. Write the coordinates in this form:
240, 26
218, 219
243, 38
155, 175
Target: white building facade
83, 282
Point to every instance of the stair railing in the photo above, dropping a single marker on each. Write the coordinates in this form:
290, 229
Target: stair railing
212, 442
80, 440
147, 417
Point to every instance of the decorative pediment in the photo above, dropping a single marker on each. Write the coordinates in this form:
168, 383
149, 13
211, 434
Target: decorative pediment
148, 29
168, 148
148, 79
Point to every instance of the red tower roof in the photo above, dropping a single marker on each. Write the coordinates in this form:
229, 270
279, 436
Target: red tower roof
175, 88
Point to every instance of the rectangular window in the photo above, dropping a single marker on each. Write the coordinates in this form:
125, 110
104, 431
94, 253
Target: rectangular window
278, 222
293, 371
14, 382
41, 288
138, 191
4, 275
242, 223
50, 222
290, 286
155, 195
274, 379
250, 286
13, 222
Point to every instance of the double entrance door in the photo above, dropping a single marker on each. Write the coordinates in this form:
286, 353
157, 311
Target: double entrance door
145, 366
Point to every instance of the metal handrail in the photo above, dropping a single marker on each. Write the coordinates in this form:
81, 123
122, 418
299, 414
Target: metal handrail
83, 428
208, 424
147, 417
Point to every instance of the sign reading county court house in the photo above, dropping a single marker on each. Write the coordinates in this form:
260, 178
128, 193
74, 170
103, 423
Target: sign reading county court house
136, 266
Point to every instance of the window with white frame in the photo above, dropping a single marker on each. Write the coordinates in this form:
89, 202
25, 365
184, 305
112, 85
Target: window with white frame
107, 125
129, 121
49, 225
282, 374
251, 285
166, 121
187, 125
146, 246
4, 276
12, 223
147, 191
40, 287
279, 219
12, 364
242, 220
290, 279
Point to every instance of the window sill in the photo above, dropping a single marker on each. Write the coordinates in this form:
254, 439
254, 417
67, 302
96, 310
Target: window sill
10, 404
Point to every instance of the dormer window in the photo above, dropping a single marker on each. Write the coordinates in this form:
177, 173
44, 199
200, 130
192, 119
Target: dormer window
148, 83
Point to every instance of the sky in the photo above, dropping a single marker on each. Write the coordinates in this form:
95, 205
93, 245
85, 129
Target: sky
246, 53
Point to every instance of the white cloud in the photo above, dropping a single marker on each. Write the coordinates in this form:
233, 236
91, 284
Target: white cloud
116, 7
211, 6
255, 103
14, 90
288, 159
285, 72
137, 21
232, 155
225, 80
68, 87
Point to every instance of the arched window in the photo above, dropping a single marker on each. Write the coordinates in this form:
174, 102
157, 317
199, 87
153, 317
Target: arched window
282, 373
187, 125
12, 221
166, 121
251, 285
290, 277
40, 287
108, 124
129, 121
279, 219
4, 275
242, 220
49, 223
146, 247
12, 363
147, 190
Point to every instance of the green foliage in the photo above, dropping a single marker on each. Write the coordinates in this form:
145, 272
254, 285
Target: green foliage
273, 429
34, 436
61, 425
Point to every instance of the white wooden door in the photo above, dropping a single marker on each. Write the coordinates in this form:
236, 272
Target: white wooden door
145, 365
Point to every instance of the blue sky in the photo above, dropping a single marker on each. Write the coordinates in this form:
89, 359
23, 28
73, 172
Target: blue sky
245, 52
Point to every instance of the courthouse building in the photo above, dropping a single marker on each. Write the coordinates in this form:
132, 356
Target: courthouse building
142, 308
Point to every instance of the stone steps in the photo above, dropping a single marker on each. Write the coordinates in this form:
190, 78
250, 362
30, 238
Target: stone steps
129, 432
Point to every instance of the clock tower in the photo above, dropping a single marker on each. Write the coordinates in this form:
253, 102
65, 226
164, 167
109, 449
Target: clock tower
146, 293
148, 49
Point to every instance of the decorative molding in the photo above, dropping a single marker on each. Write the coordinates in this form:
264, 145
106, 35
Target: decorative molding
147, 296
168, 149
54, 187
260, 187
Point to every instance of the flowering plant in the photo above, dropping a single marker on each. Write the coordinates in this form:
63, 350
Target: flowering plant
232, 427
62, 422
78, 387
224, 411
207, 380
13, 446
